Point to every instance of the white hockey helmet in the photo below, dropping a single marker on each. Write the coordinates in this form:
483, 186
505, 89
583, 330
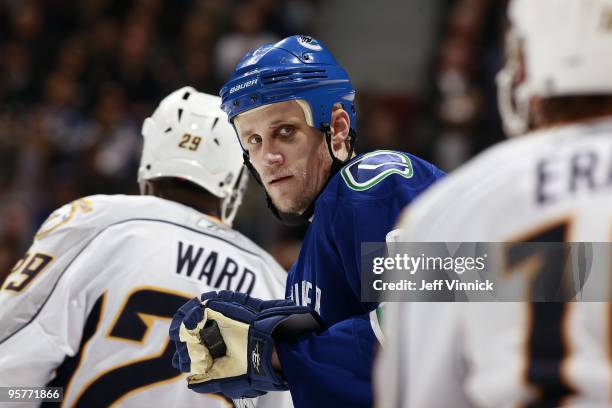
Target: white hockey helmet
566, 50
188, 137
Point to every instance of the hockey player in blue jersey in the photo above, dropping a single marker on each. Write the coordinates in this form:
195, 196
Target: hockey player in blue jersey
292, 107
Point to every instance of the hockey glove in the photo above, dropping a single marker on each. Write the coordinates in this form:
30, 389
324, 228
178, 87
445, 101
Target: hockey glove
225, 341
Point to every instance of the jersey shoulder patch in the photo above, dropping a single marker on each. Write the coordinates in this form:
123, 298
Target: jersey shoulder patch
371, 168
87, 215
63, 215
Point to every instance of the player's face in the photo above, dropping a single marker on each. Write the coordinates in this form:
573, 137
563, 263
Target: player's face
290, 156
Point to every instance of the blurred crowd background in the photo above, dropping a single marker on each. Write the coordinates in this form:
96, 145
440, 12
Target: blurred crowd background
78, 77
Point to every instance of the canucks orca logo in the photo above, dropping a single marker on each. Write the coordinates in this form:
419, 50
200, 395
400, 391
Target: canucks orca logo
374, 167
309, 42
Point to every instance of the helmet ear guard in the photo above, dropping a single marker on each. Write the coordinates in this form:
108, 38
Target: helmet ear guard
231, 203
514, 111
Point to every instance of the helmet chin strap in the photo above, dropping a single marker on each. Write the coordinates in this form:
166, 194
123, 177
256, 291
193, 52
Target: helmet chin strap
293, 219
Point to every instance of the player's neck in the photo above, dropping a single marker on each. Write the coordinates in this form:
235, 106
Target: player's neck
573, 121
187, 194
570, 110
214, 219
207, 207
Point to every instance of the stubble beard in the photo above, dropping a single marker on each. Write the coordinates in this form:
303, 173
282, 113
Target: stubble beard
311, 187
301, 198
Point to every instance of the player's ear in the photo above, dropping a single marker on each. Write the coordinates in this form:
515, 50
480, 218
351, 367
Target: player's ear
340, 127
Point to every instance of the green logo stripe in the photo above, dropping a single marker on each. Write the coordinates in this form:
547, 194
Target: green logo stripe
407, 172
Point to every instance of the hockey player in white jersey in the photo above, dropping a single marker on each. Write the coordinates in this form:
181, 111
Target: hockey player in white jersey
554, 184
88, 307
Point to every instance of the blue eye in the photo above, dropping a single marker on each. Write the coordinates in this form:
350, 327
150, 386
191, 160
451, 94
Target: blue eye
285, 130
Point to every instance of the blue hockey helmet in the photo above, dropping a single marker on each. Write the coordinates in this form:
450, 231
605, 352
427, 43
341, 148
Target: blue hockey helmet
298, 67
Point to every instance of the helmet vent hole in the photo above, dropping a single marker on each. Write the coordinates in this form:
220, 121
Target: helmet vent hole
214, 124
180, 113
148, 167
295, 75
217, 141
168, 130
186, 95
221, 184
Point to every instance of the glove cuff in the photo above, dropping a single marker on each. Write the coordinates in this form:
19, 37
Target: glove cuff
270, 325
261, 346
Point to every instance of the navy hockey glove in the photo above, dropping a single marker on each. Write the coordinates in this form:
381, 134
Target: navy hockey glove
225, 341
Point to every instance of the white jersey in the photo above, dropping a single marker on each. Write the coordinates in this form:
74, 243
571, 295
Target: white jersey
88, 307
556, 184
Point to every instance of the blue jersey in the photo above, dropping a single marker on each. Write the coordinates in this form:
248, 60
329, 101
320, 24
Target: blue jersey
359, 204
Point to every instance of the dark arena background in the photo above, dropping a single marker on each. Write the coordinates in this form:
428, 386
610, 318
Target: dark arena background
77, 78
